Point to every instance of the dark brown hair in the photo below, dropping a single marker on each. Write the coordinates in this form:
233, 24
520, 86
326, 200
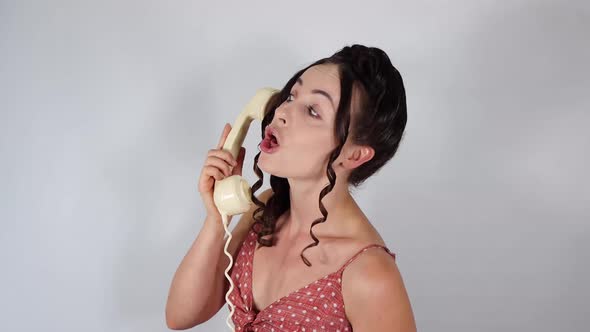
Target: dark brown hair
378, 120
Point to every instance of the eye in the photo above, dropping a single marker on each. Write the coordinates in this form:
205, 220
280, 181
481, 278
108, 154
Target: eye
309, 109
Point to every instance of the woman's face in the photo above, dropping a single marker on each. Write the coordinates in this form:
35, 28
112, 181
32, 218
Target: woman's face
304, 124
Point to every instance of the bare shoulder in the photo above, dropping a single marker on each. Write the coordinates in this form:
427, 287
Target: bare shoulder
375, 297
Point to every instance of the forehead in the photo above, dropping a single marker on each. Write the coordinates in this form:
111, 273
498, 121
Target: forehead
324, 77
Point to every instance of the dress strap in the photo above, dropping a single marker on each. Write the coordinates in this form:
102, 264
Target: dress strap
363, 250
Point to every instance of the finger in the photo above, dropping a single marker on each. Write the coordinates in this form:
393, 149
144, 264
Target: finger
222, 154
215, 173
226, 130
220, 164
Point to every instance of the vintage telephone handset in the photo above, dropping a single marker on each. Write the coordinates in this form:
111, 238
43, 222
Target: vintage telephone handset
232, 194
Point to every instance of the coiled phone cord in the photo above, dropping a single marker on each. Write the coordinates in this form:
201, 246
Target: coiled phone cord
228, 321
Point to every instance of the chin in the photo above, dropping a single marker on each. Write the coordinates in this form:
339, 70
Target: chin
262, 164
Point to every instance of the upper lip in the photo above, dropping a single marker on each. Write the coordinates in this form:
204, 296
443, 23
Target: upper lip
272, 131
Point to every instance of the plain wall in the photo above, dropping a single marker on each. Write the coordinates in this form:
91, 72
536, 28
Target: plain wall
108, 108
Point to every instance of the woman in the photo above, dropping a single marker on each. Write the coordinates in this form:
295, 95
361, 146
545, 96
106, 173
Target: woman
333, 125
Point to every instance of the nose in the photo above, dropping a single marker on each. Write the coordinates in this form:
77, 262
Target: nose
281, 114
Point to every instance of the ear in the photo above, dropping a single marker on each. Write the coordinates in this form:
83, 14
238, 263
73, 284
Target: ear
352, 156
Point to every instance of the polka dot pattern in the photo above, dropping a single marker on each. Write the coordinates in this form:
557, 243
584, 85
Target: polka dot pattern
316, 307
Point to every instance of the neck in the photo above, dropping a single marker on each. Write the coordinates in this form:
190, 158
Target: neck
304, 196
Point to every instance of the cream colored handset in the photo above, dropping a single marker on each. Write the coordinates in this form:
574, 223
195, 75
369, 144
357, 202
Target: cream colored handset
232, 194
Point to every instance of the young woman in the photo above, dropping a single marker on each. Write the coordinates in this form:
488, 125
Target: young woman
306, 257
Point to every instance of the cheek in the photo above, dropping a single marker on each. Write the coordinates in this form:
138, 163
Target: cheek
309, 154
318, 147
297, 160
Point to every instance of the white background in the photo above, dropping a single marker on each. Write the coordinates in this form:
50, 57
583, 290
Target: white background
108, 108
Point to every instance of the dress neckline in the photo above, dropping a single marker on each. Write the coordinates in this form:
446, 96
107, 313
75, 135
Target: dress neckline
253, 305
327, 276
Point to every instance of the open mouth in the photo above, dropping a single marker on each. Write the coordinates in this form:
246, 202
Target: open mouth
273, 140
270, 135
269, 143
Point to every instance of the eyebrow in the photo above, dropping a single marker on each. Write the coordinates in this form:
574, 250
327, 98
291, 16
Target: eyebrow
317, 91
